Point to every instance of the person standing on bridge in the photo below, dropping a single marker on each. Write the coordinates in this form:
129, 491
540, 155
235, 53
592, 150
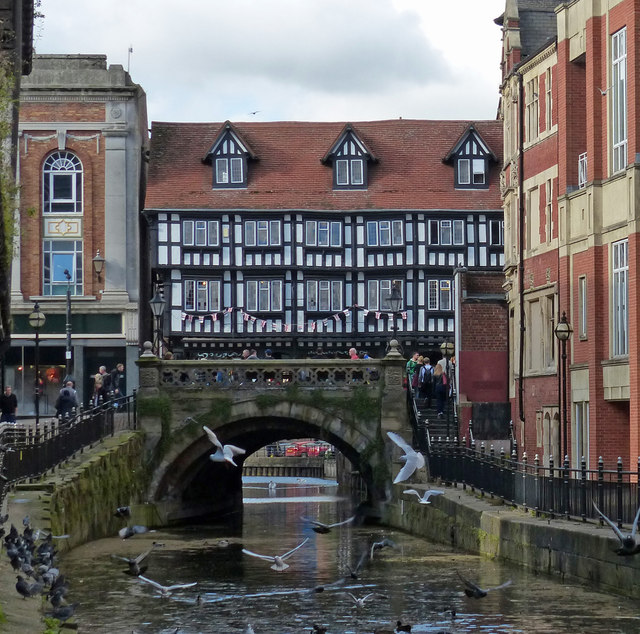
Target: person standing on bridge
8, 406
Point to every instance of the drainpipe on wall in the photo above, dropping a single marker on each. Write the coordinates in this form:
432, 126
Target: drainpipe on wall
521, 236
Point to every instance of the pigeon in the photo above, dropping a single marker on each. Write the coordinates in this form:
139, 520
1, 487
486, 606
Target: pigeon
63, 612
278, 560
223, 453
130, 531
321, 528
167, 591
353, 572
385, 543
412, 459
123, 511
476, 592
22, 587
359, 602
424, 499
134, 563
628, 545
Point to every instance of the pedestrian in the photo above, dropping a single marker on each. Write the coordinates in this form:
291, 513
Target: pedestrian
415, 378
411, 367
101, 386
253, 354
425, 381
245, 354
117, 381
8, 406
66, 402
353, 353
268, 354
440, 388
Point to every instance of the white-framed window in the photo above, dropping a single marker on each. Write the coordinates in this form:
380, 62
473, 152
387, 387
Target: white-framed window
264, 295
200, 233
620, 297
229, 170
531, 109
496, 232
62, 184
619, 99
262, 233
60, 256
472, 171
548, 103
581, 433
540, 332
548, 209
349, 172
324, 295
464, 171
439, 295
323, 233
446, 232
379, 293
202, 295
384, 233
582, 307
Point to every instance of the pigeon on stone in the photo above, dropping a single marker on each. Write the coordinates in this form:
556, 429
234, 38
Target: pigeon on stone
628, 545
413, 459
123, 511
22, 587
167, 591
130, 531
476, 592
278, 560
223, 453
424, 498
63, 612
321, 528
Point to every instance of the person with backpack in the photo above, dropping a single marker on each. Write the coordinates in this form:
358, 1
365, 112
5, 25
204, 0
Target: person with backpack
440, 387
416, 375
425, 381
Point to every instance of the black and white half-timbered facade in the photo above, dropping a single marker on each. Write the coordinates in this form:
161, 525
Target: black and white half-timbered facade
291, 236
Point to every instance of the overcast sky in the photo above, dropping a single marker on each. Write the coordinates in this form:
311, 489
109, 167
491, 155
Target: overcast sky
306, 60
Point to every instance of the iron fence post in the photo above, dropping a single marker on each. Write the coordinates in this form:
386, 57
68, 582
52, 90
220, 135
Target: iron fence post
524, 480
551, 488
567, 492
619, 491
601, 488
482, 468
583, 489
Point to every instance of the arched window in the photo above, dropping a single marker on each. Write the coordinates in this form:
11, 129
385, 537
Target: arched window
62, 184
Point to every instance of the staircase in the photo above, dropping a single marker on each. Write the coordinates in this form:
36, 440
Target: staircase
437, 426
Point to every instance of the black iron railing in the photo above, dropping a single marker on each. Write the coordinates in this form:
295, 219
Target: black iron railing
553, 490
28, 450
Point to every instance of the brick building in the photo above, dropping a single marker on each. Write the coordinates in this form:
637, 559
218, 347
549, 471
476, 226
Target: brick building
82, 138
570, 190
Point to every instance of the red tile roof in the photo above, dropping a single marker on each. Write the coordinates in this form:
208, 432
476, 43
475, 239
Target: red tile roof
289, 174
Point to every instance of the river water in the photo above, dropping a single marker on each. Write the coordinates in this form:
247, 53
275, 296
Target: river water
416, 582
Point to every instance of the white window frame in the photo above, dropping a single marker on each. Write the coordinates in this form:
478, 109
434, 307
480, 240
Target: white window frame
531, 106
57, 166
213, 233
378, 292
620, 297
264, 295
619, 122
262, 233
58, 255
349, 171
548, 101
446, 233
201, 295
464, 171
582, 307
479, 171
324, 295
439, 295
384, 233
496, 230
458, 232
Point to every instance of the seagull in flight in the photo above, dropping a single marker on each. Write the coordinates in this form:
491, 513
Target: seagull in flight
385, 543
130, 531
424, 499
135, 563
476, 592
278, 560
167, 591
628, 545
354, 572
223, 453
412, 459
323, 529
359, 602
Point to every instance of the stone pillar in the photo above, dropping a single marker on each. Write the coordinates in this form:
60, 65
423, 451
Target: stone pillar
393, 415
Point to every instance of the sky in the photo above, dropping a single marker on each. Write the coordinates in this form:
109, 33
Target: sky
292, 60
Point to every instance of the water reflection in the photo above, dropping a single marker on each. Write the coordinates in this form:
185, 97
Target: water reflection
416, 582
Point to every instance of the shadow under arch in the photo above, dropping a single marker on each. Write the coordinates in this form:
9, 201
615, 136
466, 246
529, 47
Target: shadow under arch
186, 477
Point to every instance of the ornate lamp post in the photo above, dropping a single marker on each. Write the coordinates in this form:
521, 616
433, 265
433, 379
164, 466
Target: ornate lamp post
395, 303
36, 321
157, 308
98, 265
447, 349
563, 333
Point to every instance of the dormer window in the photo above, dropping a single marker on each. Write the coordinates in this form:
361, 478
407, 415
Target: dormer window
470, 158
349, 156
229, 156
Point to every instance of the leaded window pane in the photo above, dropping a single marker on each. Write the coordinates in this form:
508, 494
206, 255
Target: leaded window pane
189, 294
396, 226
478, 171
250, 233
336, 295
222, 171
372, 234
372, 294
312, 295
432, 303
458, 232
187, 232
310, 233
274, 228
336, 234
464, 176
213, 233
323, 295
236, 170
356, 172
276, 295
445, 232
201, 233
201, 295
263, 233
384, 229
323, 233
342, 172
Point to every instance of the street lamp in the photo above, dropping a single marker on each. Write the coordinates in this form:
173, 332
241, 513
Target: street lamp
36, 321
157, 308
68, 353
395, 303
98, 265
563, 333
447, 349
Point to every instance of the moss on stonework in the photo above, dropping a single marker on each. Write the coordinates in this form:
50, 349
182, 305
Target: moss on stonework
373, 455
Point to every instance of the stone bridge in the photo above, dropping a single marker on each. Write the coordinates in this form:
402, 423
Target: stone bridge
348, 403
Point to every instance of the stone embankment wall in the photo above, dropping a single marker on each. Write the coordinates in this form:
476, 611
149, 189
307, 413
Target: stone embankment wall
573, 550
85, 492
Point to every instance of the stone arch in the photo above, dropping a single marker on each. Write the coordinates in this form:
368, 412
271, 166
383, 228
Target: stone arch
248, 426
